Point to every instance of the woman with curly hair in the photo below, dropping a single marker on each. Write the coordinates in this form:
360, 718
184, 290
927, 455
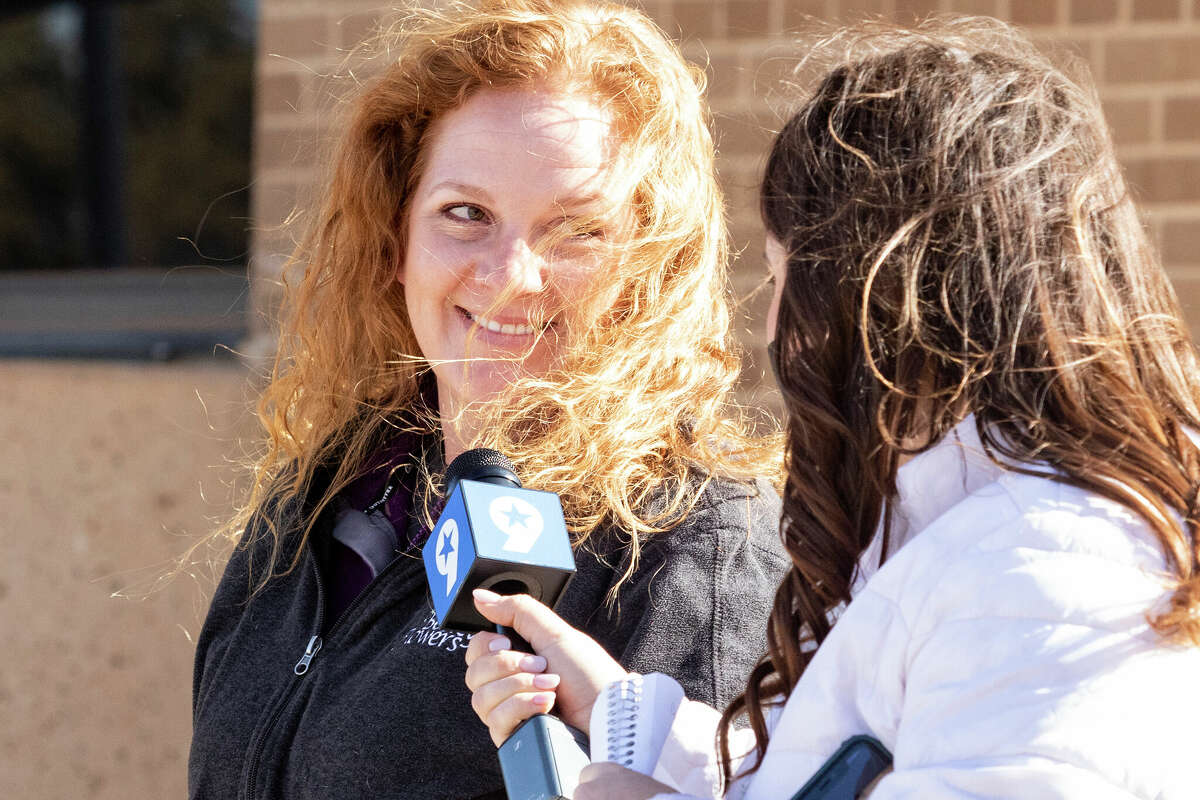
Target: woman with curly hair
521, 246
992, 470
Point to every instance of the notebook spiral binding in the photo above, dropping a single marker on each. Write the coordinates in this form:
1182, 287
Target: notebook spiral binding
625, 699
632, 718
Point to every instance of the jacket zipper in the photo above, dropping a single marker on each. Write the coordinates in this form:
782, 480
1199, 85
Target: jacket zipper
299, 671
310, 652
315, 643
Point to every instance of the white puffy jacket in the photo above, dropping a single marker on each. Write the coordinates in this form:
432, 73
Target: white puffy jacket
1001, 652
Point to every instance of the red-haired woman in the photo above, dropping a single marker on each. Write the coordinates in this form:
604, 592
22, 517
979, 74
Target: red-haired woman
520, 246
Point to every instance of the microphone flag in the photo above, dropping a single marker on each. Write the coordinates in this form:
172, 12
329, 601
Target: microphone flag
497, 537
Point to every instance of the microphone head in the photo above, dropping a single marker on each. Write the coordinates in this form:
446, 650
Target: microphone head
481, 464
493, 534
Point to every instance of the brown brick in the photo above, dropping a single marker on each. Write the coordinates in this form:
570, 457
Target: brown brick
987, 8
278, 94
726, 78
653, 8
1182, 119
1181, 242
775, 75
854, 10
692, 20
1086, 12
289, 147
909, 10
741, 196
740, 135
1156, 58
747, 19
1143, 10
1033, 12
799, 13
1070, 53
272, 203
1165, 179
353, 29
1187, 289
295, 37
1129, 120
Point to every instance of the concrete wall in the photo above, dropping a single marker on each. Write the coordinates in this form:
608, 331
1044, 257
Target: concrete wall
110, 470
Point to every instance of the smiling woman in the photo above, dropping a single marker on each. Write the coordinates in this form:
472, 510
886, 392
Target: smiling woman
520, 246
487, 298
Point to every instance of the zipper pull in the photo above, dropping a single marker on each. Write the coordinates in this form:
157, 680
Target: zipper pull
310, 652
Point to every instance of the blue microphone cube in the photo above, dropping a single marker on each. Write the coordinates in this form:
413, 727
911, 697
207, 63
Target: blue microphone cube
502, 538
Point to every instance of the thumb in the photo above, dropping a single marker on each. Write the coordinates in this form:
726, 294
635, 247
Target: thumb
535, 622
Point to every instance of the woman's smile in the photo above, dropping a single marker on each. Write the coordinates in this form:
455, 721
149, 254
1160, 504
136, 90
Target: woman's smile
514, 327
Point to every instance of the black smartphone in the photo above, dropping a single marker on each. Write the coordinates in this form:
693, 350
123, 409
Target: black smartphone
860, 760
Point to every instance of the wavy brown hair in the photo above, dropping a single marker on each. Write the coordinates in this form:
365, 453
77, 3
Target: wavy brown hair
638, 414
960, 240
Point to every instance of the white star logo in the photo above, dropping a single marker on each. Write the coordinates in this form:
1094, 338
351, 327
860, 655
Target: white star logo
445, 556
518, 520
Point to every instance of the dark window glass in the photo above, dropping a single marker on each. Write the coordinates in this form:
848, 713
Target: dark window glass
125, 133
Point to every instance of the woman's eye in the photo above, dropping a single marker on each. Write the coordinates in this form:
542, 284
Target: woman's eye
466, 213
581, 231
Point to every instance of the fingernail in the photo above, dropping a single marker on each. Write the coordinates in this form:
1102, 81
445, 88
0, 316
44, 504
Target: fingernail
544, 699
485, 596
532, 664
498, 644
546, 681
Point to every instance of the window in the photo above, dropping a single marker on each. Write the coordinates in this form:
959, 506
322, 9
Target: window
125, 174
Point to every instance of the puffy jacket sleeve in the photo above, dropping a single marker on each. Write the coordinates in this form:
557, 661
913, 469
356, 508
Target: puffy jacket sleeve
1030, 669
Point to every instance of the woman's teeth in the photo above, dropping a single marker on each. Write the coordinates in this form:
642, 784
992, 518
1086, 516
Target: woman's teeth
497, 327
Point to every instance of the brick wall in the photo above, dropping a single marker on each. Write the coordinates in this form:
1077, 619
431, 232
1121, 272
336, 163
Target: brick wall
1145, 55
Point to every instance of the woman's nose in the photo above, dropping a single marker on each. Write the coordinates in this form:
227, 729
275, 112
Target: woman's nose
514, 267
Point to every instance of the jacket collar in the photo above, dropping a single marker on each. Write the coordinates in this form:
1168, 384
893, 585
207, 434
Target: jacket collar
928, 486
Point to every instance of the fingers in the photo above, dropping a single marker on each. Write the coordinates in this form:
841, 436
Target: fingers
540, 626
500, 664
504, 704
507, 686
584, 666
485, 643
607, 781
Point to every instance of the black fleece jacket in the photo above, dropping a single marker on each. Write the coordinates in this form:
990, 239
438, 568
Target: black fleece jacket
383, 712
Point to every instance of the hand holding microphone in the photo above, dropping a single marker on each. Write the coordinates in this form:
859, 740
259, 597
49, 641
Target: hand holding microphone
506, 691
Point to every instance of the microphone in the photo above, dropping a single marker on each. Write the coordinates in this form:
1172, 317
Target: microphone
494, 534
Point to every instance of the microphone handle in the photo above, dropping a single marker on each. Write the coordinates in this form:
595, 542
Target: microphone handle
517, 640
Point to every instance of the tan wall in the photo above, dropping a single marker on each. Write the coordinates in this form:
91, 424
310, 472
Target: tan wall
104, 463
108, 472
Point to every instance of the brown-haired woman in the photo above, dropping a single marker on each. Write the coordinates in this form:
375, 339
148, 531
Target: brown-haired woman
992, 470
521, 246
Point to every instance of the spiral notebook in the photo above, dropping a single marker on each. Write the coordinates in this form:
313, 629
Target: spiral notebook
631, 719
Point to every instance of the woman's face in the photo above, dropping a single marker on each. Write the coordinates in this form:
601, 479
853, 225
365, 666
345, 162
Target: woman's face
776, 258
504, 173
